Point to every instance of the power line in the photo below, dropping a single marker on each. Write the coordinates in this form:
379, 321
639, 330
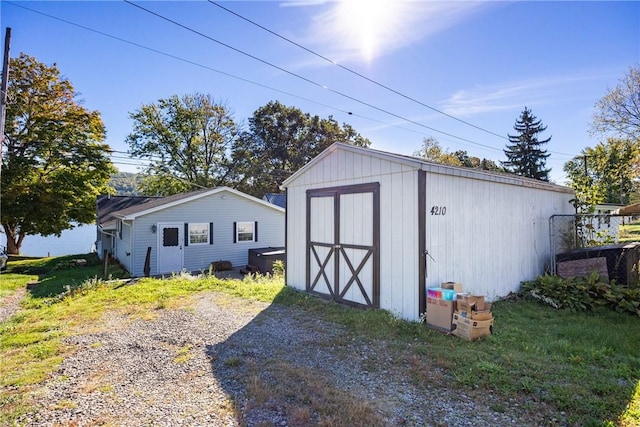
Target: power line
357, 73
361, 75
256, 83
213, 69
312, 82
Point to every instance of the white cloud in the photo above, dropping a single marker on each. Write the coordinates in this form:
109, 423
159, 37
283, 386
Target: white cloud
499, 97
341, 29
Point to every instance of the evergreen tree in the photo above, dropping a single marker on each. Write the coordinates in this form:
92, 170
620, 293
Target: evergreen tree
525, 155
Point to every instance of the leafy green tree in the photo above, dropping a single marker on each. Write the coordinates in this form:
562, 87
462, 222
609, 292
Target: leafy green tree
606, 173
433, 152
525, 156
125, 183
476, 163
281, 140
187, 141
618, 112
54, 160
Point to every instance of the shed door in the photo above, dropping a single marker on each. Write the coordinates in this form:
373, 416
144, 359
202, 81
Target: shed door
343, 241
170, 242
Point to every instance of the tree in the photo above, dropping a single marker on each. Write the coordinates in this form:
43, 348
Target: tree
54, 160
607, 173
187, 141
433, 152
281, 140
525, 155
618, 112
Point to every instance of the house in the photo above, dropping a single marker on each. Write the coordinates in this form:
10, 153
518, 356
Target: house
376, 229
187, 231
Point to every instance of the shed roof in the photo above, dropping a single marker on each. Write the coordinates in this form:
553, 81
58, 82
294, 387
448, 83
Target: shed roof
160, 203
633, 209
421, 164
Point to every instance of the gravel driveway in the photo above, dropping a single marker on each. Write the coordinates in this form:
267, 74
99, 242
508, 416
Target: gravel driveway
223, 361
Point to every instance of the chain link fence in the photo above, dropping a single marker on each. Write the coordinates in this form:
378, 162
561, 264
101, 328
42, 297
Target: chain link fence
569, 232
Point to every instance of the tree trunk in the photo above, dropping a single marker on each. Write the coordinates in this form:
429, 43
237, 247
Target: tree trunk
14, 242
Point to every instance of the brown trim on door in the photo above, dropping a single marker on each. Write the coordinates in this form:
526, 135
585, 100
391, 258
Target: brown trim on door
337, 248
422, 241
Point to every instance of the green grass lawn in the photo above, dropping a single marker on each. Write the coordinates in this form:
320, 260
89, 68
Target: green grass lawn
630, 232
586, 366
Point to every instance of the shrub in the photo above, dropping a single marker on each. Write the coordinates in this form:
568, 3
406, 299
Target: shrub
582, 293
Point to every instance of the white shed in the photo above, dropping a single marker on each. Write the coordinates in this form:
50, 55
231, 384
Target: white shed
375, 229
188, 231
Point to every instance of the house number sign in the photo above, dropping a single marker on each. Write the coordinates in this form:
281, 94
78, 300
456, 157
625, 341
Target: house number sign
438, 210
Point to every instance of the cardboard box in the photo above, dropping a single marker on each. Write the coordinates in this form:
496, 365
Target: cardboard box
452, 285
469, 303
440, 314
471, 329
466, 310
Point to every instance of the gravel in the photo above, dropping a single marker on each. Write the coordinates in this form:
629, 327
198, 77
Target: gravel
209, 363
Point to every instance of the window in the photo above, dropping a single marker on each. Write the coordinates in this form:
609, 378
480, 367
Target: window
199, 234
170, 236
245, 231
119, 229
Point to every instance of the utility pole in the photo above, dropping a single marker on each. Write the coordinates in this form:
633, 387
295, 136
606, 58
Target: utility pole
3, 89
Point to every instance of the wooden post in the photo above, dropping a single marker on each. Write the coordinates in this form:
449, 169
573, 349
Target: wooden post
147, 263
105, 264
3, 89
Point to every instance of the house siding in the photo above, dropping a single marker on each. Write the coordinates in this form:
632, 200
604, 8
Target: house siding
222, 212
123, 246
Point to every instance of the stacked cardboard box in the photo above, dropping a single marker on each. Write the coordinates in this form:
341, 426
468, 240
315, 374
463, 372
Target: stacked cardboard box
441, 303
473, 318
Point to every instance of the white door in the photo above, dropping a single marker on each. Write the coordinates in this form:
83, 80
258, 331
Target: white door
170, 243
343, 241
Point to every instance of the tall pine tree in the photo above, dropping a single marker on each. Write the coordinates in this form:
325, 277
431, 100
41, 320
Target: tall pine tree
525, 155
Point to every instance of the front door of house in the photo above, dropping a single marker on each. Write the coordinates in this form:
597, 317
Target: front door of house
170, 244
343, 241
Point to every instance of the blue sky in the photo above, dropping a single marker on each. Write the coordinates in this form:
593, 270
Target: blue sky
481, 62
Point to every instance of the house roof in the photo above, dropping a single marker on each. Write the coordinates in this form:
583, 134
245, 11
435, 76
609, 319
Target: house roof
421, 164
156, 204
633, 209
276, 199
107, 205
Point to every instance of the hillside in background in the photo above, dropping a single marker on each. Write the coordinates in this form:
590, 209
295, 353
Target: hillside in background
126, 183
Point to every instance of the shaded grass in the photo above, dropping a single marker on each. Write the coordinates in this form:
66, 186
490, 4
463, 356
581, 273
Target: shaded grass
585, 365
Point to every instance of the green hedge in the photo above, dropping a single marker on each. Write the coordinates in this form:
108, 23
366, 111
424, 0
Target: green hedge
583, 293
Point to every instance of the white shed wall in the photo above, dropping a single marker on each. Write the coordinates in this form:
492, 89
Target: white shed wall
398, 222
222, 212
492, 235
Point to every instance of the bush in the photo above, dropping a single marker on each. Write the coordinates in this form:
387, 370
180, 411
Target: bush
582, 293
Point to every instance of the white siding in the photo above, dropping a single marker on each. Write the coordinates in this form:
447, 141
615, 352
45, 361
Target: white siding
222, 209
492, 236
123, 246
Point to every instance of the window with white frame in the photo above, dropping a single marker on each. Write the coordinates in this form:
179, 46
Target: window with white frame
199, 234
245, 231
